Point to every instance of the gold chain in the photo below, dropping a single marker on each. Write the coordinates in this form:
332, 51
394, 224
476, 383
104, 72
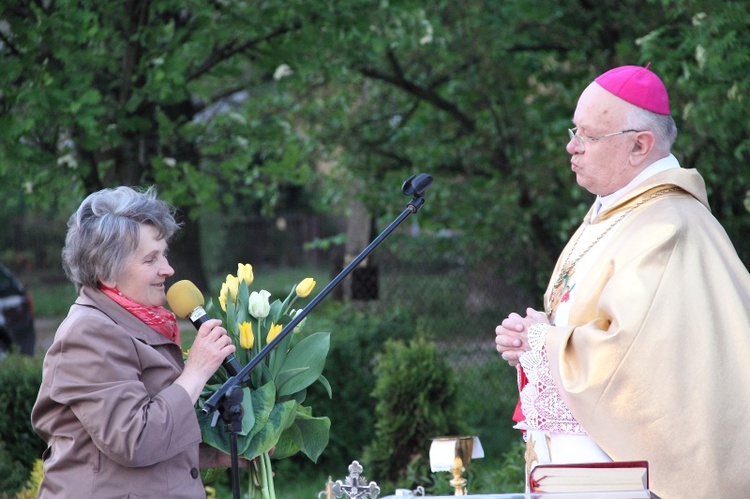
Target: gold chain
566, 268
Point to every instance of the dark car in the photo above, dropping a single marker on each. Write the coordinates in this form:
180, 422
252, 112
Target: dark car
16, 316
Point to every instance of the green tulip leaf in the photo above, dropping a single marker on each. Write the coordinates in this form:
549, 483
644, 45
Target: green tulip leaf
243, 298
324, 381
256, 405
248, 412
307, 434
286, 376
275, 312
281, 417
310, 353
263, 400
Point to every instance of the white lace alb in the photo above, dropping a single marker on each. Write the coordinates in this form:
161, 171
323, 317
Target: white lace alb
542, 405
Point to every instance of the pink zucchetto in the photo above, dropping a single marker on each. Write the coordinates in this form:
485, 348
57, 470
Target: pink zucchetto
637, 85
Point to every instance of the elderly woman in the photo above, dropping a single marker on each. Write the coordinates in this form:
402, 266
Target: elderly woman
116, 404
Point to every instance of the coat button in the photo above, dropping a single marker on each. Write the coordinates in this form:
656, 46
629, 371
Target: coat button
195, 473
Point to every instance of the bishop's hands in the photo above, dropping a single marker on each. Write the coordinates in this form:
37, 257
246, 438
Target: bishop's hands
512, 339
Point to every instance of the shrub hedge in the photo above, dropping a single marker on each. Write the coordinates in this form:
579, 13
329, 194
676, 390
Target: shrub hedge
20, 377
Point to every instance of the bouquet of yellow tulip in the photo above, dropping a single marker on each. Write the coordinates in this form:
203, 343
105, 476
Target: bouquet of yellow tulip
273, 414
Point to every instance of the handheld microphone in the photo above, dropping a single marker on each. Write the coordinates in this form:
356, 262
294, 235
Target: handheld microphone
186, 301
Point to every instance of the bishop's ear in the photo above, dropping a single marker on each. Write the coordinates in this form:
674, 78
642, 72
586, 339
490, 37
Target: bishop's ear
642, 145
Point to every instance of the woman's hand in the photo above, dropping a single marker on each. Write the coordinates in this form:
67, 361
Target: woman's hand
211, 346
210, 457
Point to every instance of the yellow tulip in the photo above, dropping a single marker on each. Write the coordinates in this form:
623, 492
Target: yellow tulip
223, 296
273, 332
247, 338
233, 284
228, 289
245, 273
305, 287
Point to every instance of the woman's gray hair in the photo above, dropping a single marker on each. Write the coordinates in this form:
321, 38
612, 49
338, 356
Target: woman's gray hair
661, 125
104, 232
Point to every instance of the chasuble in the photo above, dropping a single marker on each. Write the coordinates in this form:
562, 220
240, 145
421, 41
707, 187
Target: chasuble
655, 356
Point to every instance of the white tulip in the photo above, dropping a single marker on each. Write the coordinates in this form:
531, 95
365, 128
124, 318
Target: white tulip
258, 305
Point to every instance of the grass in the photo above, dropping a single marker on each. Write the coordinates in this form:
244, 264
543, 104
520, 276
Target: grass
289, 483
52, 299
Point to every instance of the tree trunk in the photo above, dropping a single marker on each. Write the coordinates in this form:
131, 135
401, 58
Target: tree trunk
362, 282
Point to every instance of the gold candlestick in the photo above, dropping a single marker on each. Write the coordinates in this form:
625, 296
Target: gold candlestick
328, 492
454, 454
459, 482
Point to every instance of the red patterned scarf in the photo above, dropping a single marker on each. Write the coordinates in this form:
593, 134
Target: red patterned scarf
159, 319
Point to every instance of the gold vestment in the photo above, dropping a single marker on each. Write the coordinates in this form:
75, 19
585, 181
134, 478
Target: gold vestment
655, 362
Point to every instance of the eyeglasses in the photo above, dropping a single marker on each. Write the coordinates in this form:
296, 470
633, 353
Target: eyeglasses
579, 138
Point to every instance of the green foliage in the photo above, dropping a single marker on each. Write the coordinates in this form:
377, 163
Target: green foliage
31, 489
13, 474
701, 51
359, 336
506, 474
415, 394
20, 447
486, 399
87, 86
479, 94
192, 96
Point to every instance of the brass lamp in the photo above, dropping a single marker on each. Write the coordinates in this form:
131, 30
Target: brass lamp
454, 454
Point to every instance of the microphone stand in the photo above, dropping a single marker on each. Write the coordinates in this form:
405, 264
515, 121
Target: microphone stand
228, 398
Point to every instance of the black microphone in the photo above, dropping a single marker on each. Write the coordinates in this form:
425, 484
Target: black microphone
186, 301
416, 184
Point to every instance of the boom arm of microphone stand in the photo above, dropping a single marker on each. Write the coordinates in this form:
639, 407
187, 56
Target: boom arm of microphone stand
212, 403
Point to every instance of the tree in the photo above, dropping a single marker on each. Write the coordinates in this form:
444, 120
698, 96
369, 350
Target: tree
223, 103
480, 93
704, 49
146, 92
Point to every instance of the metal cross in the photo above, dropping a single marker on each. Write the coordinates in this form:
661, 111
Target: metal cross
355, 485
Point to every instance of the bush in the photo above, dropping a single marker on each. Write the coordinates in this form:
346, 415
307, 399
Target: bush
20, 377
357, 337
415, 391
487, 398
506, 475
31, 490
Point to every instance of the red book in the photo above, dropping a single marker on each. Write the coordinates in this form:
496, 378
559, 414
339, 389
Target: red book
589, 477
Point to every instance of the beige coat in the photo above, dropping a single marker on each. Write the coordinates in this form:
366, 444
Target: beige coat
656, 359
115, 423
